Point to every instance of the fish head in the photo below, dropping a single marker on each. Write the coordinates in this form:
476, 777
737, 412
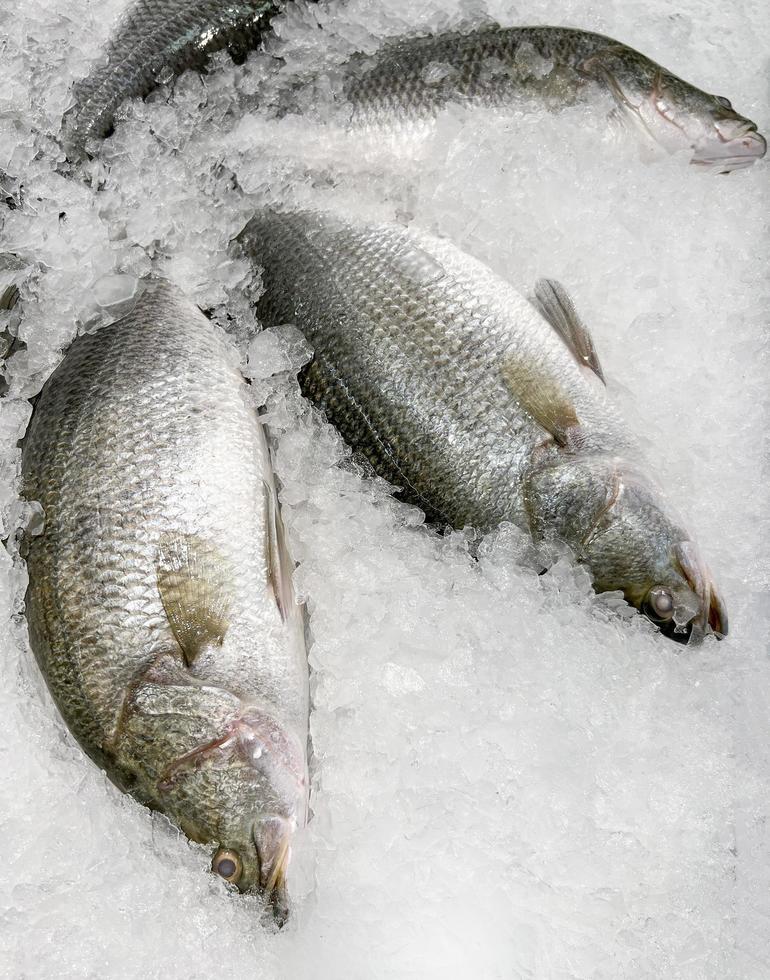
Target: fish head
678, 116
637, 546
728, 141
261, 799
617, 523
242, 788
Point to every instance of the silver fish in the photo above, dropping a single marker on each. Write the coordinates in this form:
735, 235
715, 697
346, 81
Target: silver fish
481, 406
160, 603
157, 40
411, 79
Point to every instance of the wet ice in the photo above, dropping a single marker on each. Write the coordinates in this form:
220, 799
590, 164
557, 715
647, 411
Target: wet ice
512, 776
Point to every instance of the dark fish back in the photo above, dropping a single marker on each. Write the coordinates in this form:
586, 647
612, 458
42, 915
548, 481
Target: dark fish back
420, 74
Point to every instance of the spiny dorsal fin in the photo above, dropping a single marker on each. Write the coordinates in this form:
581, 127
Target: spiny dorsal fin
279, 564
194, 581
543, 399
553, 302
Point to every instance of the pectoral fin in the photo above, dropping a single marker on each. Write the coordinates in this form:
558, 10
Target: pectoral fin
278, 561
542, 398
553, 302
194, 581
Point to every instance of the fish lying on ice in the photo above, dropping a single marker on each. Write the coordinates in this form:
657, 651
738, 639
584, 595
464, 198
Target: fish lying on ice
157, 40
481, 407
160, 603
412, 79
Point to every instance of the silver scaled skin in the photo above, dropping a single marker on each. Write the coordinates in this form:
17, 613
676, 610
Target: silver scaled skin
479, 406
157, 40
412, 79
160, 603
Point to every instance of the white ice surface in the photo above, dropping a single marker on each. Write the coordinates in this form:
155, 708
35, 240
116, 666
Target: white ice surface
512, 779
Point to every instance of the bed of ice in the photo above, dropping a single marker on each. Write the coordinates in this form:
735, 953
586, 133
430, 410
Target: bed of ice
512, 779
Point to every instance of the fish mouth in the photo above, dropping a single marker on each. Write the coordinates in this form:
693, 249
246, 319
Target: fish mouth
272, 837
733, 153
712, 615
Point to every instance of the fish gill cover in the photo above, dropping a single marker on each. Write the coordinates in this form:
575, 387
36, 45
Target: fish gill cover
512, 776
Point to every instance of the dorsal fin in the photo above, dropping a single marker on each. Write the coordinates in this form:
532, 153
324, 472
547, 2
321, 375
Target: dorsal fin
194, 581
552, 301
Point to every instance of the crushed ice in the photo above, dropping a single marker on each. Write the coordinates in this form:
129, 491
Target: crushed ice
513, 777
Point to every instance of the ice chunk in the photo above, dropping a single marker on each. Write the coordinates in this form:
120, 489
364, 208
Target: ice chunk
531, 64
281, 349
437, 72
114, 292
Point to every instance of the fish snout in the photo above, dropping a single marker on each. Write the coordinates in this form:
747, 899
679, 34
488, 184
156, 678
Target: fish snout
736, 144
688, 607
272, 836
711, 616
753, 142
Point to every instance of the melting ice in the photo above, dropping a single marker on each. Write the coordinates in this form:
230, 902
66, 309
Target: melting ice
513, 777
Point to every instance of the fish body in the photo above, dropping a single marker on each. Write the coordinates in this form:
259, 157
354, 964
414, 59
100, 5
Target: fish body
157, 40
412, 79
160, 604
479, 407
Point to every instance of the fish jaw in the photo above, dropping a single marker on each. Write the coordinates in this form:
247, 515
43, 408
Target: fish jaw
729, 150
712, 612
720, 145
273, 835
696, 606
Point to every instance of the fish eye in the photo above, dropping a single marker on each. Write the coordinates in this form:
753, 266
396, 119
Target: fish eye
723, 101
227, 864
660, 603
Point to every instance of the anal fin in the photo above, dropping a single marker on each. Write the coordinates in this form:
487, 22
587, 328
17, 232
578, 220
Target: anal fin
194, 582
553, 302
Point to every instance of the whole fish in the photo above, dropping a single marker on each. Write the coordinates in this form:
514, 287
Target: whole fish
481, 406
157, 40
160, 603
411, 79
